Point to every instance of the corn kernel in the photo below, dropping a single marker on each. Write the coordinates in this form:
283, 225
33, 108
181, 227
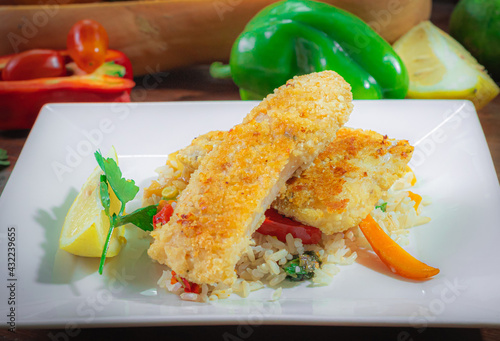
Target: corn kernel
169, 192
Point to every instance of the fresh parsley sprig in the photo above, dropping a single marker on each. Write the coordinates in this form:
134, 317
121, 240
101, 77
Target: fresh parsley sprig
125, 190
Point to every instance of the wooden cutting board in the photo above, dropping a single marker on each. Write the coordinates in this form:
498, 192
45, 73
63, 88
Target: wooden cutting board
166, 34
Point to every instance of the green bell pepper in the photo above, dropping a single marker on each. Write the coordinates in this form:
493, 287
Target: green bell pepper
295, 37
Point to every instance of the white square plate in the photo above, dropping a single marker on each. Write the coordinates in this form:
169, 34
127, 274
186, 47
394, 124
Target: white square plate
52, 288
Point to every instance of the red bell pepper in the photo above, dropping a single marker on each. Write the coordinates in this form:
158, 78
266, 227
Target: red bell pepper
188, 286
165, 211
20, 101
120, 58
279, 226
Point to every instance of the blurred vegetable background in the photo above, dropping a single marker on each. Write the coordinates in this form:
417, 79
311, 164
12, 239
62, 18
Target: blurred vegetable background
87, 71
440, 68
166, 34
476, 25
295, 37
384, 48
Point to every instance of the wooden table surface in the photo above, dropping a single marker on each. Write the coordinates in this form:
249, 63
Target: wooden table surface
195, 84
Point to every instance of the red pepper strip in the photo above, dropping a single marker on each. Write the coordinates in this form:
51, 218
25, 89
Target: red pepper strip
98, 83
165, 212
188, 286
394, 256
191, 287
279, 226
22, 100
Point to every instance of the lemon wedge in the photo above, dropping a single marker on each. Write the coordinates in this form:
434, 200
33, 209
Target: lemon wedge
441, 68
86, 224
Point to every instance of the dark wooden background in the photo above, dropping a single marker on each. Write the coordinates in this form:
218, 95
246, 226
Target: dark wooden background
193, 84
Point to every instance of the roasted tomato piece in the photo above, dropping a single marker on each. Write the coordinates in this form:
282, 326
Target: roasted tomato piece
164, 213
279, 226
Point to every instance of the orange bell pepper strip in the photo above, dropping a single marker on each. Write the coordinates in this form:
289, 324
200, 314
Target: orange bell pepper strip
394, 256
416, 198
413, 177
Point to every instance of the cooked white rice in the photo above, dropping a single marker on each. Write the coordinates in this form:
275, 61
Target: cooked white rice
261, 264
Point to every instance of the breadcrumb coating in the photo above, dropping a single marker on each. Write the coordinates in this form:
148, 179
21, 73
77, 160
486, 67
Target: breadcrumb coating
192, 155
344, 183
341, 187
225, 200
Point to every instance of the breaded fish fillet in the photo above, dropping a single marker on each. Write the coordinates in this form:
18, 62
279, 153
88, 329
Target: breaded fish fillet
225, 200
192, 155
344, 183
341, 186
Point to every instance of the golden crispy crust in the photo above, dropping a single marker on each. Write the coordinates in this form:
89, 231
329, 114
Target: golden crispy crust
345, 182
235, 183
192, 155
342, 185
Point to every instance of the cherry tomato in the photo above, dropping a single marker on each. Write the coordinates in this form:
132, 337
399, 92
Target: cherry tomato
34, 64
279, 226
164, 214
87, 44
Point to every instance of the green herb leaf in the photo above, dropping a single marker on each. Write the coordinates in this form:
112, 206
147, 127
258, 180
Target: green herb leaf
104, 194
382, 207
4, 158
124, 189
106, 243
293, 270
142, 218
302, 267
